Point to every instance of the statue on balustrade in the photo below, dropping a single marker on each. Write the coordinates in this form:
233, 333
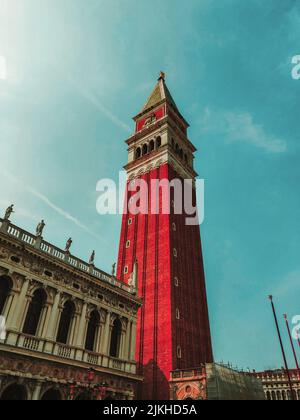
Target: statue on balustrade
39, 229
113, 269
68, 244
9, 211
92, 258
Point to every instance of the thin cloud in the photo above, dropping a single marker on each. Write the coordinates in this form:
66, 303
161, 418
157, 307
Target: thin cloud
48, 202
241, 127
94, 100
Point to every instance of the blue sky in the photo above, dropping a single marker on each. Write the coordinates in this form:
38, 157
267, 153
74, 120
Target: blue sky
77, 71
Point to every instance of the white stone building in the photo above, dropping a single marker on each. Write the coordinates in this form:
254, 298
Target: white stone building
276, 385
69, 327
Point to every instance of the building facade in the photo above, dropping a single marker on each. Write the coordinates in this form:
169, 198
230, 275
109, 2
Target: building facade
161, 249
215, 382
70, 328
276, 384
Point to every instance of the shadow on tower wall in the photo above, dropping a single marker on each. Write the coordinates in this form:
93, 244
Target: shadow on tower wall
155, 386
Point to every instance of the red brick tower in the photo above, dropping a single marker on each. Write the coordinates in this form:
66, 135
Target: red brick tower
173, 328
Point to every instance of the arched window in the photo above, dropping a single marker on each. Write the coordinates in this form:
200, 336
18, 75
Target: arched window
177, 148
186, 158
158, 142
295, 395
14, 392
181, 153
93, 328
34, 312
138, 153
151, 146
268, 396
145, 149
278, 395
5, 288
115, 339
65, 322
173, 143
179, 354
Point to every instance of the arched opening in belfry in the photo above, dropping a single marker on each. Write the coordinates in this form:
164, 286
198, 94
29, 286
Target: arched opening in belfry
52, 395
65, 323
34, 312
5, 289
145, 149
138, 153
158, 142
92, 332
14, 392
115, 339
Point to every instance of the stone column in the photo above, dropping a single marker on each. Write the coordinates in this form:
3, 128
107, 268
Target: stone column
82, 327
18, 315
133, 340
52, 324
100, 333
44, 320
9, 305
106, 335
74, 329
123, 340
37, 391
127, 343
28, 301
122, 344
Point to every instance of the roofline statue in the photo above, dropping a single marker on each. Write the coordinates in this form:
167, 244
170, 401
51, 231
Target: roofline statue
8, 212
92, 258
68, 244
39, 229
113, 269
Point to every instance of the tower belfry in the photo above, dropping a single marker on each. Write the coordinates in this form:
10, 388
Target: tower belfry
173, 326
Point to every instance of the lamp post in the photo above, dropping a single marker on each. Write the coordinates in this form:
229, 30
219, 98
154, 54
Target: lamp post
282, 348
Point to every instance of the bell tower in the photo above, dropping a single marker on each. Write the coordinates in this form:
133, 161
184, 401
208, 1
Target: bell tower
162, 251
